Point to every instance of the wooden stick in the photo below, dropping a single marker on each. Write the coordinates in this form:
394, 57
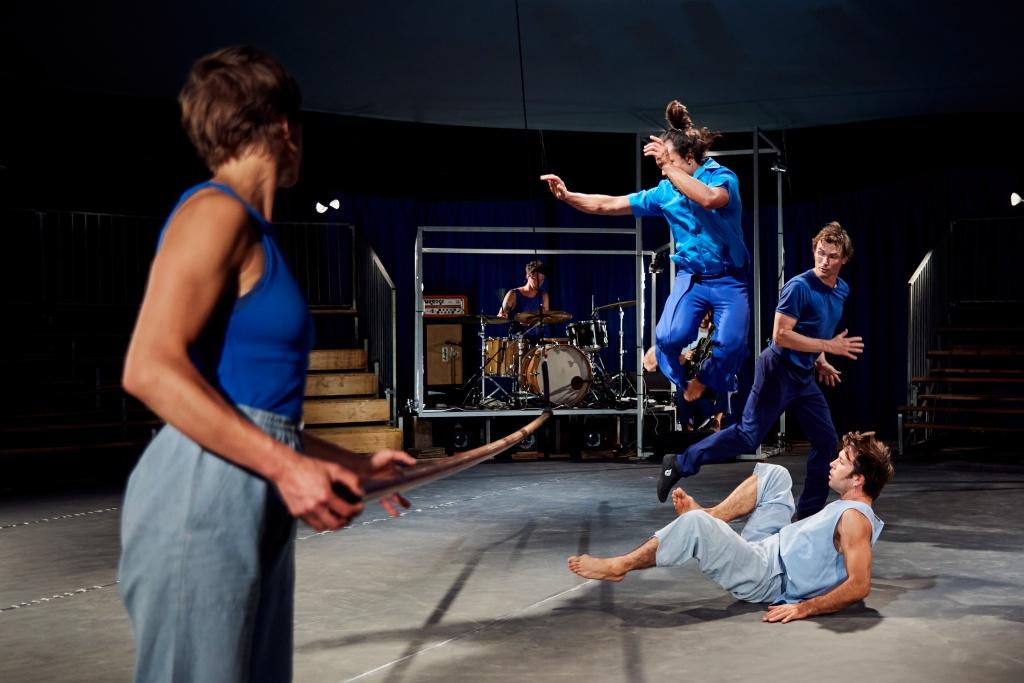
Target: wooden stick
425, 473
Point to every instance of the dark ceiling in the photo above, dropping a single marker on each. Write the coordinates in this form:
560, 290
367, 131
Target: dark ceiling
587, 65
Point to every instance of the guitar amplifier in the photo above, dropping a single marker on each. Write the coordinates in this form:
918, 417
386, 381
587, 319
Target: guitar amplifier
445, 305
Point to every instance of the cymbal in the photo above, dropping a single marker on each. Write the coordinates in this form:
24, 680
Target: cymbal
617, 304
543, 318
481, 318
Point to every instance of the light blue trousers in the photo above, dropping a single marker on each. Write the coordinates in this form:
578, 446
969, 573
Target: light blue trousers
208, 564
746, 564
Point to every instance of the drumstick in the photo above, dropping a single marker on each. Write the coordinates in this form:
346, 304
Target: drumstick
421, 474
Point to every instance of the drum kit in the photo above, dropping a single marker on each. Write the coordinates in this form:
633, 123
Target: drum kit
523, 370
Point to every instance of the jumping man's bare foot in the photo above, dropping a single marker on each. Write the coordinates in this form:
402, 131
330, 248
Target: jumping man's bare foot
684, 502
594, 568
694, 390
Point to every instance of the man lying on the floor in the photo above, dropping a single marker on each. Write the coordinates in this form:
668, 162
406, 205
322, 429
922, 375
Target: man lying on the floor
818, 565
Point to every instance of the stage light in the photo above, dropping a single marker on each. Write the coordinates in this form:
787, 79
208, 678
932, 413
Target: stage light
1015, 199
333, 204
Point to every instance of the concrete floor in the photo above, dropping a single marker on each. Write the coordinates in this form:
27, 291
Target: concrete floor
471, 585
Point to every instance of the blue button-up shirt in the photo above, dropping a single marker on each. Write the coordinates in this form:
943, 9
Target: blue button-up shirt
707, 241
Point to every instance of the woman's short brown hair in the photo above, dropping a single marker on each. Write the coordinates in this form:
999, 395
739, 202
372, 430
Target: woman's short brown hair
235, 99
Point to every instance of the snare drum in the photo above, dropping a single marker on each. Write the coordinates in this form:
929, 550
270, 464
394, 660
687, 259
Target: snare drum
589, 335
569, 373
501, 354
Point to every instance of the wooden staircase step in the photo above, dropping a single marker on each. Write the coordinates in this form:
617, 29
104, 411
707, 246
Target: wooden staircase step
972, 397
981, 351
931, 379
136, 445
362, 439
961, 410
953, 329
976, 371
963, 428
81, 426
341, 384
341, 410
338, 359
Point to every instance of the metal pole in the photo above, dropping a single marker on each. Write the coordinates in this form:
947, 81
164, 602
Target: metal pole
641, 390
757, 254
417, 287
781, 262
757, 248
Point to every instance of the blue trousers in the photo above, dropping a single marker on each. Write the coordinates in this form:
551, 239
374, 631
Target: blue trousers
778, 386
680, 320
208, 564
745, 564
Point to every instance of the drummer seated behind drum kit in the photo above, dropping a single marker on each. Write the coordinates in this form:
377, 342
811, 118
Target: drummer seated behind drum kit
541, 371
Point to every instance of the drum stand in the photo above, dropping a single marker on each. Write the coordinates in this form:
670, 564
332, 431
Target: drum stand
622, 385
520, 396
485, 400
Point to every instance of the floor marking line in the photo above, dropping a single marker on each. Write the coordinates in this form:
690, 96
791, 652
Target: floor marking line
58, 518
498, 620
57, 596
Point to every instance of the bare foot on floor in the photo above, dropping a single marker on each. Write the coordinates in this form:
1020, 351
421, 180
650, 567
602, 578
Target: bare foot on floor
684, 502
694, 390
593, 568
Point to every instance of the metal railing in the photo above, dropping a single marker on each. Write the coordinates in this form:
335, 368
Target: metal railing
927, 304
321, 257
378, 305
976, 260
74, 258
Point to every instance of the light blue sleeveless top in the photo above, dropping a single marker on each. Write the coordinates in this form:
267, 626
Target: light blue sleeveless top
810, 562
255, 350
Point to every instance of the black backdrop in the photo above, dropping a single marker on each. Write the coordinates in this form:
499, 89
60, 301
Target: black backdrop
895, 185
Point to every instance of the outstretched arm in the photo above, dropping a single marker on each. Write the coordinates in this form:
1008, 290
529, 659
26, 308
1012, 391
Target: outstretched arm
601, 204
854, 532
706, 196
785, 336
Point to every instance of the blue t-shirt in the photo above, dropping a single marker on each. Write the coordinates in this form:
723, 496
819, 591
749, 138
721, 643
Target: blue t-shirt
817, 309
707, 241
255, 350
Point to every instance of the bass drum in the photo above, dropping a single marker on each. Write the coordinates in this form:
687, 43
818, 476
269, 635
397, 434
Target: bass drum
569, 373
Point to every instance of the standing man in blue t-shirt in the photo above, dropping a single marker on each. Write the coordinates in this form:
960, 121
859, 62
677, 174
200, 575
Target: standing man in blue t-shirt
700, 199
809, 310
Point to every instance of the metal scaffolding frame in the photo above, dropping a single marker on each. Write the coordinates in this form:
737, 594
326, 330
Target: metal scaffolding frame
636, 252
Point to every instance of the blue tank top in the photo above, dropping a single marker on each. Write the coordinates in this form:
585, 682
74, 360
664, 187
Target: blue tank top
811, 564
255, 349
525, 304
